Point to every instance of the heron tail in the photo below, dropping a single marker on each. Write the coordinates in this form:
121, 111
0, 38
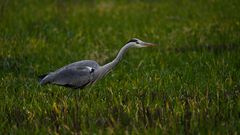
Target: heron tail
41, 77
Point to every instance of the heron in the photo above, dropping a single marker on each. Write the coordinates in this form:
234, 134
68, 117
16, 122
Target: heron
80, 74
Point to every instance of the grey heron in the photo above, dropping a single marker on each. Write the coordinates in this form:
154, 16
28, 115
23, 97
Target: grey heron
83, 73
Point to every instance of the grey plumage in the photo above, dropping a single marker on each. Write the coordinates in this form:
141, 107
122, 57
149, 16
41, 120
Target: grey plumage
86, 72
75, 75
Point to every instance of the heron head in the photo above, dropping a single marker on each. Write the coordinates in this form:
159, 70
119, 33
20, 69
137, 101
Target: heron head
139, 43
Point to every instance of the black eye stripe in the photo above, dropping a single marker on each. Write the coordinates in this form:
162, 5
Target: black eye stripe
133, 40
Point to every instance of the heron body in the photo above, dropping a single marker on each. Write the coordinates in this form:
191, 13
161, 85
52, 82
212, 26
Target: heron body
82, 73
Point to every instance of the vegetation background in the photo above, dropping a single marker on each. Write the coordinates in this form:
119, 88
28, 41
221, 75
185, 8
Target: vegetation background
189, 84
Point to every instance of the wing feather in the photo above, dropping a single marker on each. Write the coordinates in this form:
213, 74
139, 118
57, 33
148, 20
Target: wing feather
72, 77
75, 75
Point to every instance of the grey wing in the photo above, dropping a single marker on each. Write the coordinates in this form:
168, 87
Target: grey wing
75, 75
83, 63
74, 78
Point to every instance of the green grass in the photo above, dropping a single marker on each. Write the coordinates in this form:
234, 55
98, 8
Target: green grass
189, 84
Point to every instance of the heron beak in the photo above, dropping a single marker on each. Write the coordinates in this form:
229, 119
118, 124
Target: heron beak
148, 44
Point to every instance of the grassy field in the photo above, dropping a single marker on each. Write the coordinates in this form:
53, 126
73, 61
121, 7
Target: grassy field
189, 84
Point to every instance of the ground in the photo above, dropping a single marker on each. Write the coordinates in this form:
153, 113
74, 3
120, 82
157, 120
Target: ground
189, 84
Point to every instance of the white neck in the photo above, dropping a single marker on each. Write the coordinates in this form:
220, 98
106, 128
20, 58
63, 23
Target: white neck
107, 67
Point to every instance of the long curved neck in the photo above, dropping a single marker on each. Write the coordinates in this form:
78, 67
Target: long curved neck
106, 68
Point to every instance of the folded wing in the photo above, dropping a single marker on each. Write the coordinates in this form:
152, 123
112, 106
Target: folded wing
74, 78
